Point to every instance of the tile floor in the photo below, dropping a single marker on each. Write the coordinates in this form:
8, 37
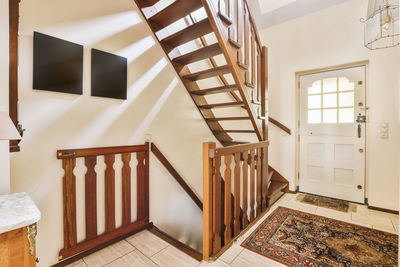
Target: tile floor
145, 249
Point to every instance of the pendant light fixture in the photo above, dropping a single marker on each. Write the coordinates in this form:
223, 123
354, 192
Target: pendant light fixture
382, 25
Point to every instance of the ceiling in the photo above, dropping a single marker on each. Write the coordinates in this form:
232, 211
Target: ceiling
271, 12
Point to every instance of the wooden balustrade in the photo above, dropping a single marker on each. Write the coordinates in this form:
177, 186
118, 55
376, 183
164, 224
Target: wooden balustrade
235, 192
238, 27
93, 238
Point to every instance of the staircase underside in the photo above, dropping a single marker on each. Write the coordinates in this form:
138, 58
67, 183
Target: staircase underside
209, 52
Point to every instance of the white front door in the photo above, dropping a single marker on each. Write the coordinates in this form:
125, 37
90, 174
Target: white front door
332, 134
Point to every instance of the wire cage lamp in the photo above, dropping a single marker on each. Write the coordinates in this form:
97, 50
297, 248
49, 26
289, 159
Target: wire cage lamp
382, 25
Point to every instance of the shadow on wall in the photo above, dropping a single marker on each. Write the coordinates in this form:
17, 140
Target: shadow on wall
55, 120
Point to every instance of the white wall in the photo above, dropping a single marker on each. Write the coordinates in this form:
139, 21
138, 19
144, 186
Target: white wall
4, 148
157, 104
330, 37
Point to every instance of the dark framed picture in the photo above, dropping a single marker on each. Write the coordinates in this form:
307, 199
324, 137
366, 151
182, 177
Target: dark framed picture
57, 64
109, 75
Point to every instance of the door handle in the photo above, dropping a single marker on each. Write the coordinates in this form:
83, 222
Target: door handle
359, 131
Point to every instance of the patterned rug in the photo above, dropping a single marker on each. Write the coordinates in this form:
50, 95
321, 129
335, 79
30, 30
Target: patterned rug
327, 202
297, 238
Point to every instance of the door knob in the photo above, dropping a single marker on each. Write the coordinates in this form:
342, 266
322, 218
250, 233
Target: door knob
359, 186
361, 150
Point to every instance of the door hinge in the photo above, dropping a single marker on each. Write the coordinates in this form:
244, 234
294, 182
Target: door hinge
298, 85
298, 175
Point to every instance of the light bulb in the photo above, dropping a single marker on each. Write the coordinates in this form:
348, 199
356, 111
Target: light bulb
387, 21
386, 27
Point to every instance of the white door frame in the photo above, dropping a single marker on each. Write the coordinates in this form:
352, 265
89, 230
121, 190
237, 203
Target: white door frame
298, 74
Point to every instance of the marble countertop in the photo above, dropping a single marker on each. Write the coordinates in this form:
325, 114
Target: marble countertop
17, 211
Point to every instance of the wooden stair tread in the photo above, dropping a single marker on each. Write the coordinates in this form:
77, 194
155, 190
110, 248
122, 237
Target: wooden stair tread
177, 10
188, 34
216, 90
222, 105
207, 73
276, 187
200, 54
147, 3
228, 119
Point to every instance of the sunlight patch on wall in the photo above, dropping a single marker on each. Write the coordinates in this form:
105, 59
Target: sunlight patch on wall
93, 30
142, 128
137, 88
137, 49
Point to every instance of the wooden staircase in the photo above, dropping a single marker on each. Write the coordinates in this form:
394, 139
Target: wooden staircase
244, 61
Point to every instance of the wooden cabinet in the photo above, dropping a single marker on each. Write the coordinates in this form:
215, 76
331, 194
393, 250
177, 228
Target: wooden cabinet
18, 247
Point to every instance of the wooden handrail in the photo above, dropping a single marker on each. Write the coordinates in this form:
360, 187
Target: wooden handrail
239, 148
280, 125
160, 156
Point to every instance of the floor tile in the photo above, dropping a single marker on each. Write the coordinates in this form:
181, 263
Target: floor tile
231, 253
385, 229
147, 243
108, 254
133, 259
173, 257
248, 258
334, 214
217, 263
79, 263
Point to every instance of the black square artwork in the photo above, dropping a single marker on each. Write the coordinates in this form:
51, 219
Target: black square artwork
109, 75
57, 64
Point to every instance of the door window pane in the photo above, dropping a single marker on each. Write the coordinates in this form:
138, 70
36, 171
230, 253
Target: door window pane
330, 115
346, 99
330, 85
314, 101
345, 84
330, 100
314, 116
346, 115
315, 88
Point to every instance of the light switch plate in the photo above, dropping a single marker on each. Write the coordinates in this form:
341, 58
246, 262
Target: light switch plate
384, 130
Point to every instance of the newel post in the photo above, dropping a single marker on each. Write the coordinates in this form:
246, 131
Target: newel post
264, 89
208, 151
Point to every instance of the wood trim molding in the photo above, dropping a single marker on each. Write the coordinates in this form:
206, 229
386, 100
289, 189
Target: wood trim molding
160, 156
13, 67
280, 125
383, 210
176, 243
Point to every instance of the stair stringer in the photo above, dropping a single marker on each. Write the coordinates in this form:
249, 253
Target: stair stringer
230, 54
215, 126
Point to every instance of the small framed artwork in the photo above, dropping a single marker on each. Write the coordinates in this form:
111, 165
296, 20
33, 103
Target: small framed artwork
57, 64
109, 75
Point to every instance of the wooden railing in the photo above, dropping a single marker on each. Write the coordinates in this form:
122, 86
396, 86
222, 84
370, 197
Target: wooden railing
164, 161
280, 125
93, 238
237, 32
226, 217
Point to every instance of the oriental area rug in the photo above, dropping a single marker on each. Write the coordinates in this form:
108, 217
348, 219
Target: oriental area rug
296, 238
325, 202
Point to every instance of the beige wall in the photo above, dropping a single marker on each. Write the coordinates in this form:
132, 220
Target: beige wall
158, 104
330, 37
4, 154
